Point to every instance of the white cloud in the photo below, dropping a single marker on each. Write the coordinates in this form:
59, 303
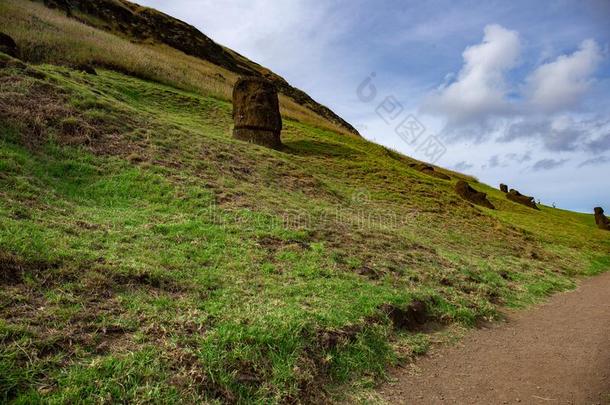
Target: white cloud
560, 84
479, 102
480, 90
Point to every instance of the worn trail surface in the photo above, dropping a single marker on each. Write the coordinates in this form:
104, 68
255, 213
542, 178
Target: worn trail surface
555, 353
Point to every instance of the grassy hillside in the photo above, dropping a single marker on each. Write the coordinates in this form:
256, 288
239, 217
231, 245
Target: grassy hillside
146, 256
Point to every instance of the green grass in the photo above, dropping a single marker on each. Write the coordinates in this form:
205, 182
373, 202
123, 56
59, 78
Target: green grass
159, 260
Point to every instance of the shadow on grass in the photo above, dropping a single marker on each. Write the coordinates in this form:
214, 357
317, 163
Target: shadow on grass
308, 148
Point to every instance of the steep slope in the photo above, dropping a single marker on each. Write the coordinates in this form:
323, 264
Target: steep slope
145, 25
147, 256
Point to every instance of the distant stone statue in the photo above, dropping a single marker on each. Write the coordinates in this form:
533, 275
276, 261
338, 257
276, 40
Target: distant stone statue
470, 194
256, 112
504, 188
601, 220
519, 198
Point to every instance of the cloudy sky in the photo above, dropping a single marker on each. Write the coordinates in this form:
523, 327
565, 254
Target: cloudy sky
515, 92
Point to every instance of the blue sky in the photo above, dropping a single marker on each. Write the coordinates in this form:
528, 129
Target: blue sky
515, 92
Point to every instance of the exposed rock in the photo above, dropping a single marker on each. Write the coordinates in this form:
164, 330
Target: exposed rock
256, 112
601, 220
504, 188
429, 170
8, 45
519, 198
470, 194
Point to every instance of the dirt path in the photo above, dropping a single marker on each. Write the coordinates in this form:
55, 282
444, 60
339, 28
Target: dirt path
555, 353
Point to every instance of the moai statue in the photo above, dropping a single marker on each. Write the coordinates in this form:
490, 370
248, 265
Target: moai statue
256, 112
601, 220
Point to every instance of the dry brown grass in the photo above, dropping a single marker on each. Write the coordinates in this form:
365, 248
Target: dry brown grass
48, 36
